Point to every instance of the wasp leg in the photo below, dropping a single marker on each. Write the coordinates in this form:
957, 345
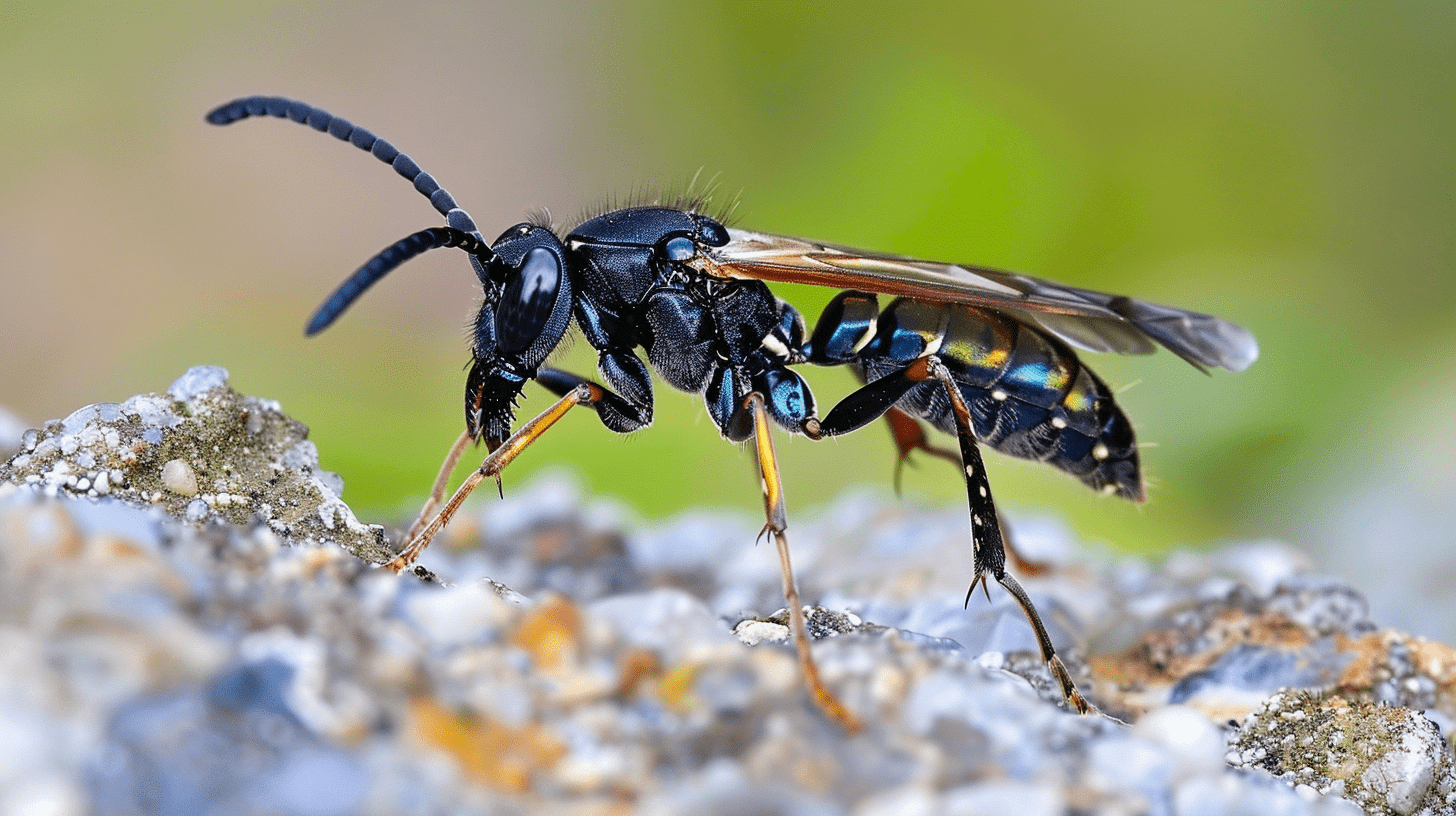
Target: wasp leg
442, 483
909, 437
777, 525
862, 407
1026, 566
557, 382
630, 411
584, 393
988, 553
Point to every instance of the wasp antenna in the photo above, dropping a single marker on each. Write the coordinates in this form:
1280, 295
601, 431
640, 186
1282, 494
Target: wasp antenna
346, 131
385, 262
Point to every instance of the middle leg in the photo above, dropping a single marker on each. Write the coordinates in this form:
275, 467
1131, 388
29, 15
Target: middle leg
777, 526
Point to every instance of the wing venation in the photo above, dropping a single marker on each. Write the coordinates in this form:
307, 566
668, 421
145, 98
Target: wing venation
1087, 319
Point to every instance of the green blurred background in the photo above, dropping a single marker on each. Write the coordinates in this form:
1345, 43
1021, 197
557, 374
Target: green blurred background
1287, 166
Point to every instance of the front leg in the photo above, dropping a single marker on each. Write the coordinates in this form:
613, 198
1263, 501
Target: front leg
618, 414
624, 412
442, 483
583, 394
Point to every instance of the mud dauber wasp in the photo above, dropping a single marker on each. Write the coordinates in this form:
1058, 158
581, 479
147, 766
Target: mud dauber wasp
979, 353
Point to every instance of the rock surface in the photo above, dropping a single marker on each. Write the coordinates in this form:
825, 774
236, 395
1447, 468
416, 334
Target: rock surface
200, 452
191, 622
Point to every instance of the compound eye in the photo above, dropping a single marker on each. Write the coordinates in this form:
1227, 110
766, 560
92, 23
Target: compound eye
679, 248
528, 301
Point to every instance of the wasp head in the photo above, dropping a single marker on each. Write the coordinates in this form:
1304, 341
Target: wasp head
526, 310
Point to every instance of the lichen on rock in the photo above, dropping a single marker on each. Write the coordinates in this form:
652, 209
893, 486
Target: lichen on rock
201, 452
1386, 759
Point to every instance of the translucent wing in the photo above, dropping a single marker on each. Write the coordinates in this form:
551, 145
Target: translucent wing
1086, 319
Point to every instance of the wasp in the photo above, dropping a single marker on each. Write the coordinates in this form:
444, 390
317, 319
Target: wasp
985, 355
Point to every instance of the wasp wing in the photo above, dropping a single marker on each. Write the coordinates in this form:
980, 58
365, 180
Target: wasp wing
1086, 319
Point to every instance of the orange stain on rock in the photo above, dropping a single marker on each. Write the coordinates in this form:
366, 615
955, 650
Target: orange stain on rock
676, 687
489, 752
549, 632
634, 668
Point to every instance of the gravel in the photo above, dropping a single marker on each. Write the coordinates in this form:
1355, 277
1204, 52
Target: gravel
192, 621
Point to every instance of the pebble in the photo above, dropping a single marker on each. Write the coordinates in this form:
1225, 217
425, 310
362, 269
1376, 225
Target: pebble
1386, 759
13, 433
1192, 742
178, 477
1405, 773
198, 381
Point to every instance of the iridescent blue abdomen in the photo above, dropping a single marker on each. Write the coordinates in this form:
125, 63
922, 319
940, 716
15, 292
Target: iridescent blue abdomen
1029, 394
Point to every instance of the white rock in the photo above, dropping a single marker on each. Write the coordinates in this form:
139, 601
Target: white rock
178, 477
198, 380
754, 632
666, 620
1404, 774
457, 615
1005, 796
1194, 744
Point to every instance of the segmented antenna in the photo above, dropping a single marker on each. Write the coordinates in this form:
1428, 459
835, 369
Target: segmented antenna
344, 130
391, 257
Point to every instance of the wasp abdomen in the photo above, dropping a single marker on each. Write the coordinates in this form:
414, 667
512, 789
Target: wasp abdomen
1029, 394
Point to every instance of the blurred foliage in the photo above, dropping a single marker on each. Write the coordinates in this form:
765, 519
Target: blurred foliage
1288, 166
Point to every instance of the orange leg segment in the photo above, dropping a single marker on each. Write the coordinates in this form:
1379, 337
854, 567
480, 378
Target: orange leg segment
491, 468
777, 525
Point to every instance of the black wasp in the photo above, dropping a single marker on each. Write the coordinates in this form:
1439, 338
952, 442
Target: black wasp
979, 353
